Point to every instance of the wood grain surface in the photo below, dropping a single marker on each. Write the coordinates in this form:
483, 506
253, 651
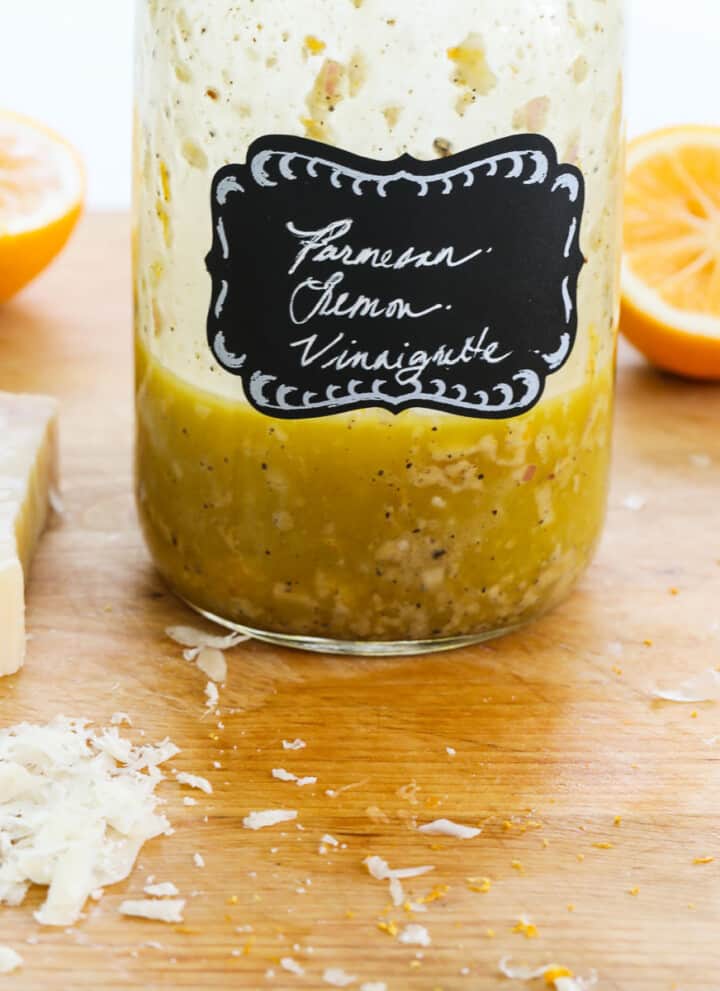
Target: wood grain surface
555, 729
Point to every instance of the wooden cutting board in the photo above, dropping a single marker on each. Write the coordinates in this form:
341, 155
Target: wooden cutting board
554, 728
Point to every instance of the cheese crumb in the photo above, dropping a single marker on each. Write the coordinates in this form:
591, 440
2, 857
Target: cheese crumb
338, 978
294, 745
415, 935
446, 827
292, 966
9, 960
282, 775
198, 860
167, 888
168, 910
76, 807
270, 817
373, 986
118, 718
195, 781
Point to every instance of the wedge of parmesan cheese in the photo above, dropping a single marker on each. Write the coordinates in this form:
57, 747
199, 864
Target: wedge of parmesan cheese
28, 474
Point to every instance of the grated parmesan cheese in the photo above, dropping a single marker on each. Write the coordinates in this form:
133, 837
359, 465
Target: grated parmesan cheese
446, 827
76, 807
167, 910
161, 890
270, 817
195, 781
373, 986
381, 871
292, 966
338, 977
198, 860
9, 960
414, 935
294, 744
282, 775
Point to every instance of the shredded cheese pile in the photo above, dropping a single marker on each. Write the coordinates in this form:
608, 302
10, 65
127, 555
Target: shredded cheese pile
76, 807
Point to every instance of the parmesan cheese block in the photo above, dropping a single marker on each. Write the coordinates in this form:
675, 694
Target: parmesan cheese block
28, 471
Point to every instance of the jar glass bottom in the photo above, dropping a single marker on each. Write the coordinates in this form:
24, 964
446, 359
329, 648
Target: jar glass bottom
355, 648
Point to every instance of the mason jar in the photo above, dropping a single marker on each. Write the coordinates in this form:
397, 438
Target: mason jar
376, 270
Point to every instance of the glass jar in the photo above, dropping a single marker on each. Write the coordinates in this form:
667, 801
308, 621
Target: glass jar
376, 264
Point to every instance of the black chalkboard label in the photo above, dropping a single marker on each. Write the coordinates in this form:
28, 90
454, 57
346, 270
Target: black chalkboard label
341, 282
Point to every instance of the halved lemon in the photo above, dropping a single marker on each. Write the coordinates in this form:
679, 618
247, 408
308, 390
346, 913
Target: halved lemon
671, 259
42, 187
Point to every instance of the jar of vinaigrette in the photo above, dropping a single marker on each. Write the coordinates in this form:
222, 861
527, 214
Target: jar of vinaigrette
376, 270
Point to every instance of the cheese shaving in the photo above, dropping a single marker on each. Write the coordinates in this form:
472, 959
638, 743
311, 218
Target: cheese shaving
415, 935
9, 960
518, 972
167, 910
195, 781
167, 888
703, 687
270, 817
446, 827
292, 966
294, 744
338, 977
188, 636
76, 807
381, 871
211, 662
560, 978
198, 860
282, 775
373, 986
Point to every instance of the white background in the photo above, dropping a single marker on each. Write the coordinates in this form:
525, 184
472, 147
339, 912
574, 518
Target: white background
69, 62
